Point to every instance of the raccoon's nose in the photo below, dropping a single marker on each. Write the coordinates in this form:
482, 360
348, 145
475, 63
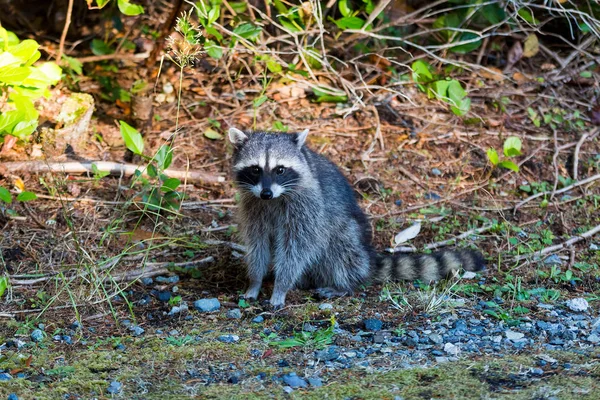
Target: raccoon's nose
266, 194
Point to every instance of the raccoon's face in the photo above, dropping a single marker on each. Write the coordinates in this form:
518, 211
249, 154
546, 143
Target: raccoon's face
268, 165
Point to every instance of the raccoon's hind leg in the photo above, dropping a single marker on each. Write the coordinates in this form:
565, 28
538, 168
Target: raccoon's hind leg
258, 259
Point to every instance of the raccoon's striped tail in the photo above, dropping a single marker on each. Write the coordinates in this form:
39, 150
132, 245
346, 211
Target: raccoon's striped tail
426, 267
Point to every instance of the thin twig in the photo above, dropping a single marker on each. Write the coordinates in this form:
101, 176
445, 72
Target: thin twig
63, 36
565, 189
568, 243
154, 269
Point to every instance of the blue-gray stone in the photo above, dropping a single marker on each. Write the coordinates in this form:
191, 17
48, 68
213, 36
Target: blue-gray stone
170, 279
398, 202
315, 382
435, 338
537, 371
207, 305
236, 313
327, 355
258, 319
136, 330
228, 338
432, 196
13, 396
164, 295
553, 260
67, 339
75, 325
5, 377
294, 380
37, 335
114, 387
373, 324
147, 281
436, 172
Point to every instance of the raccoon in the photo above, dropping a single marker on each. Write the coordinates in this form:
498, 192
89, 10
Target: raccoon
298, 214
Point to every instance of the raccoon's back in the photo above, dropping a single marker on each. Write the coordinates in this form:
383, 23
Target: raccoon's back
426, 267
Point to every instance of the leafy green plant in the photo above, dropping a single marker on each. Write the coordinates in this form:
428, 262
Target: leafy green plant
512, 148
125, 6
442, 88
158, 190
22, 81
317, 339
3, 285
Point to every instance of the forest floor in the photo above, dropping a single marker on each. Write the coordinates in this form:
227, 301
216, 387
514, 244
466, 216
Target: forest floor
77, 323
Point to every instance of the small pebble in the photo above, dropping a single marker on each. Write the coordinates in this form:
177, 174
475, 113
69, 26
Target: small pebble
37, 335
451, 349
170, 279
325, 306
147, 281
136, 330
13, 396
228, 338
236, 313
258, 319
164, 295
436, 172
553, 260
513, 336
578, 304
207, 305
114, 387
294, 380
288, 389
5, 377
315, 382
373, 324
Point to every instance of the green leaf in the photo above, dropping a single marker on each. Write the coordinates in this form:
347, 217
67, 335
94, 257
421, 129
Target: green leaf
3, 285
213, 14
213, 50
467, 47
273, 65
164, 156
527, 16
97, 173
509, 165
7, 59
239, 7
52, 71
440, 89
24, 128
493, 156
259, 101
289, 25
133, 139
26, 51
151, 171
129, 9
101, 3
493, 13
213, 32
512, 147
14, 75
7, 38
350, 23
5, 195
26, 196
9, 119
75, 65
100, 47
248, 31
212, 134
585, 74
421, 72
460, 103
170, 185
344, 8
324, 96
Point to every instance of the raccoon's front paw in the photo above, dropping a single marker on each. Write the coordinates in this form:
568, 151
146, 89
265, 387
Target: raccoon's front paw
251, 295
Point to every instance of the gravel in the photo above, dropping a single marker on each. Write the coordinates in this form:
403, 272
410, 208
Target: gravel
373, 324
258, 319
325, 306
114, 387
236, 313
37, 335
228, 338
578, 304
294, 381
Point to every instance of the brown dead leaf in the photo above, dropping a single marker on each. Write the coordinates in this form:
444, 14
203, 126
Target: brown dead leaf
140, 235
514, 55
492, 74
520, 78
493, 123
531, 46
9, 142
548, 67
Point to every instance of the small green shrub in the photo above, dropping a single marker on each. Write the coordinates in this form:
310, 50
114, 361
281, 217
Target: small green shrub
445, 89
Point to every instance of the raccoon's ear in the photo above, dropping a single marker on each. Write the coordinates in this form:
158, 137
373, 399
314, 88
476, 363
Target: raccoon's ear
301, 138
237, 137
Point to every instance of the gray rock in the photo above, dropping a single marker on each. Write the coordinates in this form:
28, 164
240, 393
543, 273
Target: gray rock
594, 338
147, 281
315, 382
435, 338
451, 349
325, 306
258, 319
594, 246
5, 377
513, 336
309, 327
13, 396
373, 324
578, 304
288, 389
37, 335
236, 313
183, 307
294, 380
469, 275
436, 172
170, 279
136, 330
114, 387
327, 355
228, 338
441, 359
553, 260
207, 305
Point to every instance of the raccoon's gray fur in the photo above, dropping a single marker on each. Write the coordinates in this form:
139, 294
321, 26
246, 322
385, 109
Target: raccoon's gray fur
298, 213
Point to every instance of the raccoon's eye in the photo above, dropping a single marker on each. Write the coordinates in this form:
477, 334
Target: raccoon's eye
255, 170
280, 170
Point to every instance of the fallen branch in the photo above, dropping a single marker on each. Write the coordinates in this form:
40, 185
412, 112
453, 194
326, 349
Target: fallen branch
117, 169
565, 189
560, 246
154, 269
